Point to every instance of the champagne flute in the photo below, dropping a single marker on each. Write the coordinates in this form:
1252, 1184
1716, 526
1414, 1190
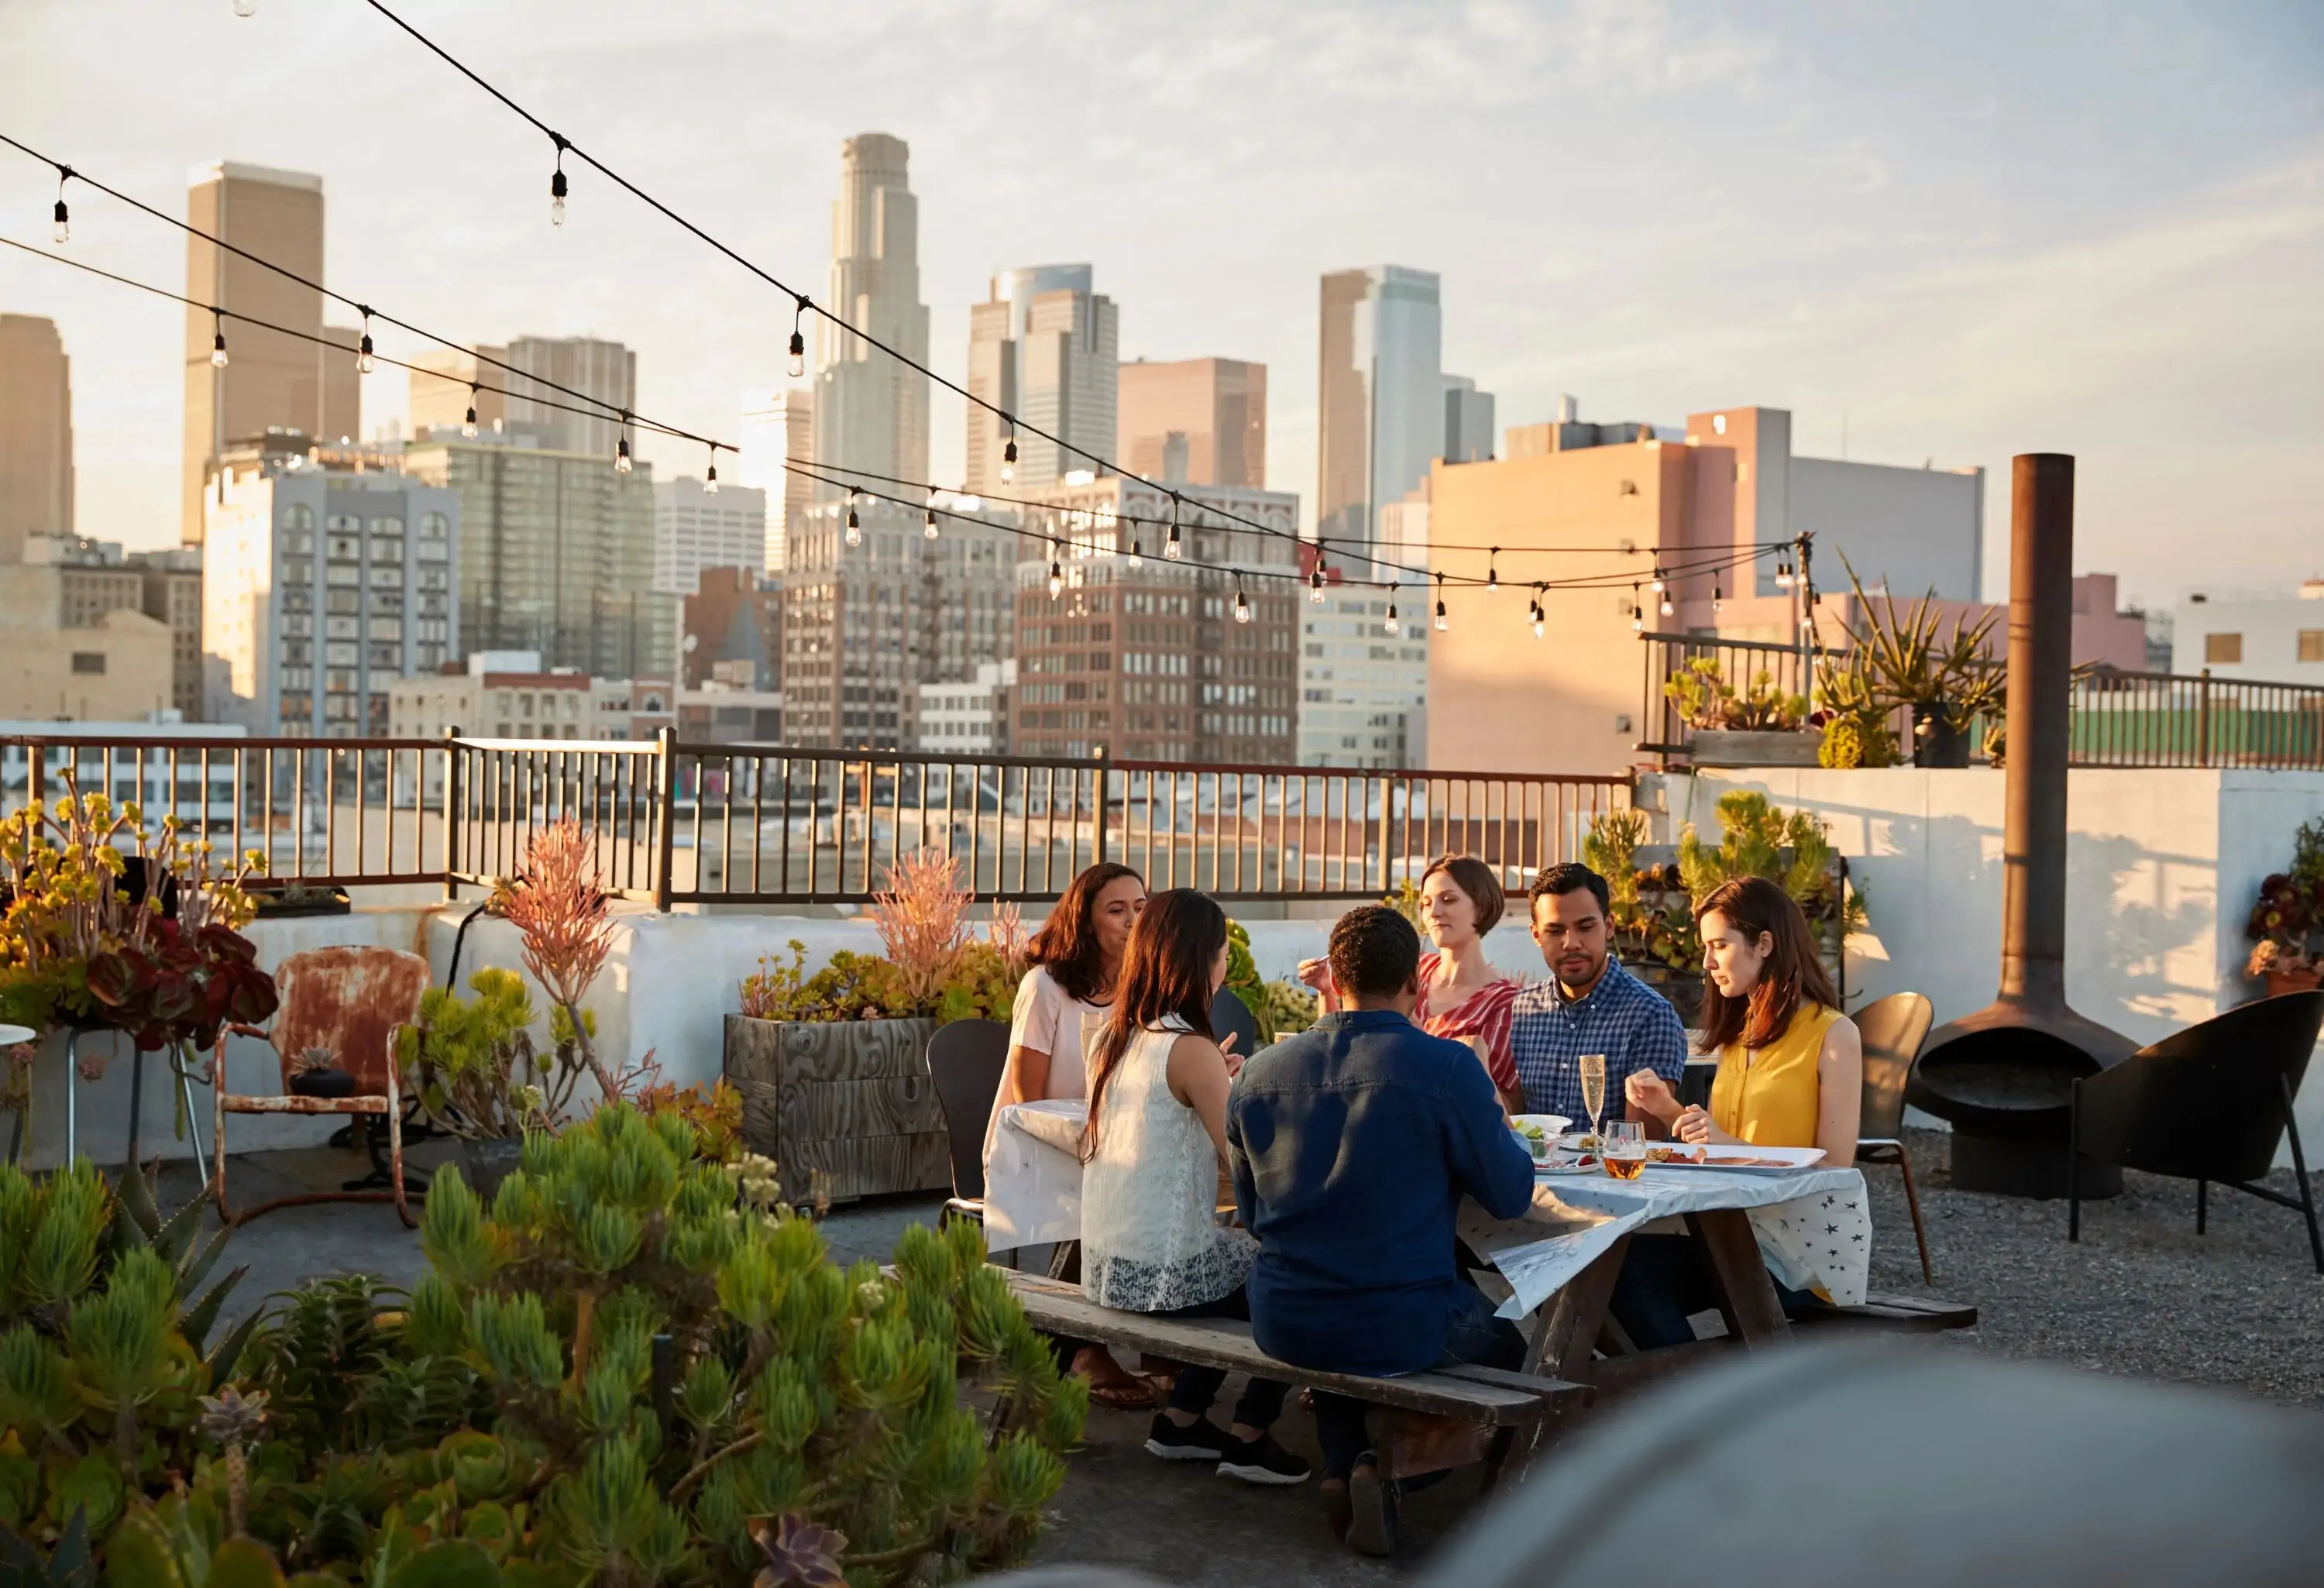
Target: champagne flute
1593, 1087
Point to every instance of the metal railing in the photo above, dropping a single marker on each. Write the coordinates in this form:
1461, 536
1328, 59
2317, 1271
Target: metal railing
2118, 719
678, 823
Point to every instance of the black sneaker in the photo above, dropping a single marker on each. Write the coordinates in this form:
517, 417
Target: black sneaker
1261, 1461
1201, 1440
1371, 1504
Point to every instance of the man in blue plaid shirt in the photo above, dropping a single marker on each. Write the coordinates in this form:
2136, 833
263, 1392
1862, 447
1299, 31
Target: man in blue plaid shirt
1589, 1004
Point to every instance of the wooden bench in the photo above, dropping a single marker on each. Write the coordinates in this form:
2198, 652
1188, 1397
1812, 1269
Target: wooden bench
1433, 1421
1891, 1314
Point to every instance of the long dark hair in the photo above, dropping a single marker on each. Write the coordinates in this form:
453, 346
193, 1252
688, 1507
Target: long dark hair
1066, 945
1791, 974
1166, 972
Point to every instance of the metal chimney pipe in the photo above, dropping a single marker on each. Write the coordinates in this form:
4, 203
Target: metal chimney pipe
2041, 673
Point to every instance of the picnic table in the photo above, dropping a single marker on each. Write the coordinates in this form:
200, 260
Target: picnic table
1562, 1257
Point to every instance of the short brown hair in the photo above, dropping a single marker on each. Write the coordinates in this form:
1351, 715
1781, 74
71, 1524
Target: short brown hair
1793, 974
1374, 952
1475, 878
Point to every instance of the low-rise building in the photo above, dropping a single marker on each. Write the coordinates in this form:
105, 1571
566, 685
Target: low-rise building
968, 718
734, 620
78, 646
2272, 635
146, 780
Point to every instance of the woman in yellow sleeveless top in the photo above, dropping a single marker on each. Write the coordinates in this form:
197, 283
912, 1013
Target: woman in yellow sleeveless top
1791, 1074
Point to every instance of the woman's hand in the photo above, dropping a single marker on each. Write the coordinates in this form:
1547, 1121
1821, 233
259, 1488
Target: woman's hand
1693, 1126
1226, 1051
1316, 973
1650, 1095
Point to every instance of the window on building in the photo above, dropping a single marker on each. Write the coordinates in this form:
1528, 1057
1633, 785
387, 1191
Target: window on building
2311, 644
89, 662
2223, 647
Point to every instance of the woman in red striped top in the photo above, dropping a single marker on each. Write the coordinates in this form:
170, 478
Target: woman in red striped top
1462, 996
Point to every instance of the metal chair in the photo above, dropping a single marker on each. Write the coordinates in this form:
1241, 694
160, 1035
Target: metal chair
348, 1002
1893, 1029
2210, 1103
967, 1059
1229, 1013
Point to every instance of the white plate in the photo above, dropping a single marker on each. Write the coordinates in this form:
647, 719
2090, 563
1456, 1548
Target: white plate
1773, 1160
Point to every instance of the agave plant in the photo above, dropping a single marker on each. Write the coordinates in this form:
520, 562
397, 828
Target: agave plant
1909, 658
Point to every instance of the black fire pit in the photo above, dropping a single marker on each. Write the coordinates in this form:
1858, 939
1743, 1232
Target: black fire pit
2004, 1075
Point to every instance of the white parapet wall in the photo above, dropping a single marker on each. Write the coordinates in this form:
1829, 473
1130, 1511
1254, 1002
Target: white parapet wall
2161, 869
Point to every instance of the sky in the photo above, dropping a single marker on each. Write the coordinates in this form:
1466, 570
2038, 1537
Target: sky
1948, 232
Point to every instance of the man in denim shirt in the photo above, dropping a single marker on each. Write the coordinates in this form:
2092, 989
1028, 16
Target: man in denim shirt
1352, 1146
1589, 1004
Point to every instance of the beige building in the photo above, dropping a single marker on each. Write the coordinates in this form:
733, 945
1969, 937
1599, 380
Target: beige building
1044, 348
1198, 422
36, 438
113, 664
448, 386
557, 554
270, 381
605, 373
871, 411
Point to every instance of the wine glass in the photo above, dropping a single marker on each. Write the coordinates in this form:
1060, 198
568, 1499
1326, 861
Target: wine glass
1593, 1087
1624, 1150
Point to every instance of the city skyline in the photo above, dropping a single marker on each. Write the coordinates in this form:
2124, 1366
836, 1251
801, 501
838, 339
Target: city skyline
1767, 219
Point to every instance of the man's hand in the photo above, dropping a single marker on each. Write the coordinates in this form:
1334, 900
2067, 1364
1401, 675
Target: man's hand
1649, 1093
1693, 1126
1316, 973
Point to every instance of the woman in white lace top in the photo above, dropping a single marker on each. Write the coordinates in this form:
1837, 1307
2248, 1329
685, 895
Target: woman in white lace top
1151, 1241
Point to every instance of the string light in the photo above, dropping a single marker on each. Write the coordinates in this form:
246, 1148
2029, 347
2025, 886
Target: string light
622, 445
710, 480
556, 185
63, 233
1242, 602
1492, 574
468, 425
1316, 585
1667, 608
1718, 598
1656, 587
928, 529
363, 363
1442, 622
1637, 612
1057, 572
217, 340
1390, 626
246, 7
1171, 549
1782, 575
798, 338
1137, 553
1009, 454
855, 525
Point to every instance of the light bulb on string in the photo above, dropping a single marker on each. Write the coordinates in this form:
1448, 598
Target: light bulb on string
217, 340
1442, 622
1316, 585
1782, 575
1667, 608
363, 363
1718, 598
928, 529
1242, 602
1009, 455
1390, 626
1656, 587
855, 525
468, 425
710, 480
63, 232
1637, 612
1056, 578
798, 338
622, 455
556, 187
1136, 552
1171, 549
1492, 573
246, 7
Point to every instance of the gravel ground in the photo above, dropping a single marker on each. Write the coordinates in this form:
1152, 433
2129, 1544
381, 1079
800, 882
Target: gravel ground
2141, 1295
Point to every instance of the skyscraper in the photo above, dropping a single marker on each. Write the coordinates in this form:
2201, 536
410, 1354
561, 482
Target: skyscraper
1468, 422
271, 379
1044, 347
871, 411
36, 443
697, 529
1382, 395
778, 426
446, 383
1198, 421
604, 372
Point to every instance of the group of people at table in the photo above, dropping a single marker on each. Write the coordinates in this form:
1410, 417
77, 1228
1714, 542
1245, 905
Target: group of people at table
1350, 1146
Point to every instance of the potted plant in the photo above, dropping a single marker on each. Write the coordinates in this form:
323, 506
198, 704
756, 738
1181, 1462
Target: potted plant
1650, 917
165, 962
1947, 680
472, 1064
1851, 716
2288, 917
280, 898
1756, 725
833, 1066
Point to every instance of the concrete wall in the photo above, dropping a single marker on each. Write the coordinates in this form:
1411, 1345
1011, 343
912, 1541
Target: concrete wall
2162, 867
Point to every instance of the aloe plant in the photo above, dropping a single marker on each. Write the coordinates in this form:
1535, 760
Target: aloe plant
1910, 659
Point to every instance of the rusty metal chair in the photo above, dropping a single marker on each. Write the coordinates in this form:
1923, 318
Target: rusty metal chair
1893, 1029
348, 1002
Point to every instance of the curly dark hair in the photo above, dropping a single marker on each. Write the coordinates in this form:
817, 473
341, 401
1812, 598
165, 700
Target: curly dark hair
1374, 953
1570, 878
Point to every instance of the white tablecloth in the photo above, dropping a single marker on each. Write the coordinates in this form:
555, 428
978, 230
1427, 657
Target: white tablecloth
1812, 1227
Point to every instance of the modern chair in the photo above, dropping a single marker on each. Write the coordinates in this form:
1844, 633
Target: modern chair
2210, 1103
1893, 1029
1228, 1013
348, 1002
967, 1059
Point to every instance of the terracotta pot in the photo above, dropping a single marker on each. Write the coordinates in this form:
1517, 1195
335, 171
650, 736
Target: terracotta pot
2280, 982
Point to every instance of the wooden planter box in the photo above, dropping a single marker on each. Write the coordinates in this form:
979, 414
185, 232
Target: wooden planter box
852, 1098
1729, 747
